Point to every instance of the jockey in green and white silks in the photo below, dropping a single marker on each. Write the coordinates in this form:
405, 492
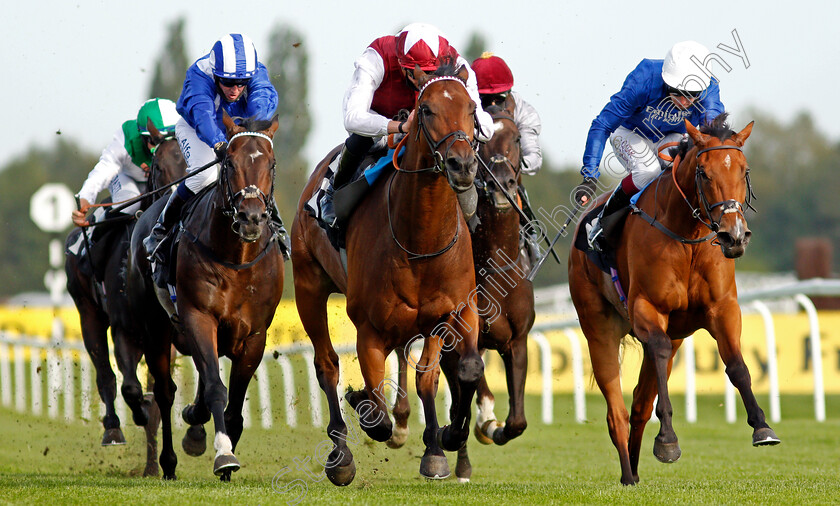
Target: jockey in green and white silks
123, 166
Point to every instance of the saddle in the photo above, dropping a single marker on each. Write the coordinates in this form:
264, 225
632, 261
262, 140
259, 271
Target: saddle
612, 226
347, 198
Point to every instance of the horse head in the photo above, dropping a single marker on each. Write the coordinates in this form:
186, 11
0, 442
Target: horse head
501, 157
247, 175
446, 117
722, 180
168, 162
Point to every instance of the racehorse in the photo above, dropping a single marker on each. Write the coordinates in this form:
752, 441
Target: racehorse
501, 270
229, 279
98, 311
409, 275
678, 279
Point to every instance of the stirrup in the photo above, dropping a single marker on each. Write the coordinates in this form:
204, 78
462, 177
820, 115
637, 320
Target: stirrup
594, 233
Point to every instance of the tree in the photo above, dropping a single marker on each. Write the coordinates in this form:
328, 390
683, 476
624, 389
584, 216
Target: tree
287, 64
171, 65
476, 45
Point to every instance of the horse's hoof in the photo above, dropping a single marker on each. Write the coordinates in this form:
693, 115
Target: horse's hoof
113, 437
398, 437
341, 476
449, 441
666, 452
151, 470
226, 463
765, 437
194, 442
480, 436
170, 477
434, 467
463, 469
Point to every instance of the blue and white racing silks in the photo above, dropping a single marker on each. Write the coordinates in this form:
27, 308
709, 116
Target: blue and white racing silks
201, 105
644, 106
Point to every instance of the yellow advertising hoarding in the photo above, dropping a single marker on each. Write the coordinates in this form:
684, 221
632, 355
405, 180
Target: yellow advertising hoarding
792, 333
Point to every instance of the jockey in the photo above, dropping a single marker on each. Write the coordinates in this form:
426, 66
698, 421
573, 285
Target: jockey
647, 113
380, 88
228, 79
495, 83
124, 164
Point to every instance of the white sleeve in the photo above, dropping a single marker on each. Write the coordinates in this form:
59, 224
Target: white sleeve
529, 125
358, 117
484, 128
112, 159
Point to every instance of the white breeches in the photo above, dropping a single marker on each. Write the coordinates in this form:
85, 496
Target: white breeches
638, 155
197, 154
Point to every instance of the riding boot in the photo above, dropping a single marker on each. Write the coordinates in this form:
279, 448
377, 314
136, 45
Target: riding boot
618, 200
280, 229
170, 214
347, 165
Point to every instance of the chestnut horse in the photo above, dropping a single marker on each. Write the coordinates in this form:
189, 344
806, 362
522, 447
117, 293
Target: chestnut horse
229, 279
96, 314
504, 293
409, 275
677, 281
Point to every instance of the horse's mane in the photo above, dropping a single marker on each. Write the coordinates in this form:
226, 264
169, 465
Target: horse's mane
254, 125
448, 67
718, 127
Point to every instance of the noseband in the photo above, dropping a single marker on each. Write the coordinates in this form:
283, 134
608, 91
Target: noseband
234, 200
497, 159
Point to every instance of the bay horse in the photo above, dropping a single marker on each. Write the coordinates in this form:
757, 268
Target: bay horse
409, 275
98, 311
229, 279
503, 290
677, 281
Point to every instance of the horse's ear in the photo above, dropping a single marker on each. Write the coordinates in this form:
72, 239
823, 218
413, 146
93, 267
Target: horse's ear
741, 137
463, 74
698, 138
275, 124
153, 131
231, 127
416, 76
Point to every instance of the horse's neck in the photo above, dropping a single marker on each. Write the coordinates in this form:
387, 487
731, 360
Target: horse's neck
671, 207
423, 201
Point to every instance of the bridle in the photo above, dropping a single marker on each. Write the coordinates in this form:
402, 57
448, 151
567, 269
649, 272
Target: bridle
439, 165
155, 170
234, 200
727, 206
497, 159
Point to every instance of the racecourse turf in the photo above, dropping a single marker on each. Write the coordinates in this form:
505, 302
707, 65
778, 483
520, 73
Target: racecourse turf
46, 461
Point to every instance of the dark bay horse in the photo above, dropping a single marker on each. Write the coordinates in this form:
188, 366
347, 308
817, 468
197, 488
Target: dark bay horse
409, 275
677, 281
98, 311
503, 291
229, 279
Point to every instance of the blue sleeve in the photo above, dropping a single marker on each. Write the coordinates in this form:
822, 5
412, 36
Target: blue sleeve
197, 106
710, 101
262, 97
623, 105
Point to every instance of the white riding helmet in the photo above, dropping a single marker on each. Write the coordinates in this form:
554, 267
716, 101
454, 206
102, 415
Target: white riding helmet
681, 72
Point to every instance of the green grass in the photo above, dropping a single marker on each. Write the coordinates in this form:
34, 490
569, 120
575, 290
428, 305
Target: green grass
44, 461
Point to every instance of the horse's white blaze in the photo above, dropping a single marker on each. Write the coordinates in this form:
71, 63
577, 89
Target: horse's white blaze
222, 444
727, 162
740, 229
498, 126
447, 95
256, 154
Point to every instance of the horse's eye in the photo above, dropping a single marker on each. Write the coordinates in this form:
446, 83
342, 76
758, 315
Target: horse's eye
702, 174
425, 110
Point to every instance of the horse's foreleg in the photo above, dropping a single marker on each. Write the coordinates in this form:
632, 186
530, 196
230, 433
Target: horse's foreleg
516, 369
94, 334
643, 397
128, 355
370, 403
196, 415
485, 420
402, 408
470, 371
164, 388
433, 465
449, 366
727, 333
202, 333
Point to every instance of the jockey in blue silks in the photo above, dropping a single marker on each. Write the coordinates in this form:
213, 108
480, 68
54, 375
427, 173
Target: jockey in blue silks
647, 113
228, 79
